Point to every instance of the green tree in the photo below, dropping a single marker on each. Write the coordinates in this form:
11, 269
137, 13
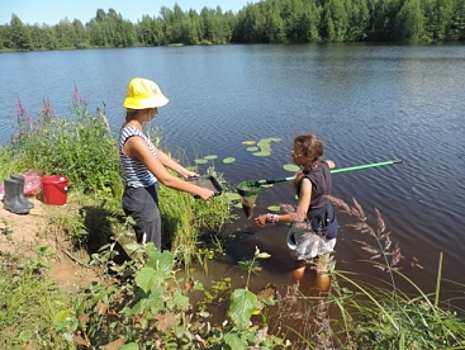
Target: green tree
251, 26
456, 28
359, 20
274, 25
409, 22
176, 24
4, 37
335, 21
49, 37
20, 35
64, 34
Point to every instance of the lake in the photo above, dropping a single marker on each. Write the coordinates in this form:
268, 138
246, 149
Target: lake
368, 103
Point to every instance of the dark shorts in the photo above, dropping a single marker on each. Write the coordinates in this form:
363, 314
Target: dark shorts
324, 221
142, 205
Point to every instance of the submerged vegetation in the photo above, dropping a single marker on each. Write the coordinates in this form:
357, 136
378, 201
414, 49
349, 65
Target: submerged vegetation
143, 298
268, 21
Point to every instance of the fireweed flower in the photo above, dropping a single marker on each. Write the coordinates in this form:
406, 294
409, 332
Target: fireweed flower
47, 109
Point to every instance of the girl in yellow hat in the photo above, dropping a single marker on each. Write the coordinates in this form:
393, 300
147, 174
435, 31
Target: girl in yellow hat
143, 165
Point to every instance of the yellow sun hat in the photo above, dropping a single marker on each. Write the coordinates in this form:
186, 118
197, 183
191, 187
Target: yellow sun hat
144, 93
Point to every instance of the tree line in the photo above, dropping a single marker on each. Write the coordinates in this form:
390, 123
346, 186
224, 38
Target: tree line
268, 21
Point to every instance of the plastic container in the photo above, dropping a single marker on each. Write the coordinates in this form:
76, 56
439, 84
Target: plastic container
55, 189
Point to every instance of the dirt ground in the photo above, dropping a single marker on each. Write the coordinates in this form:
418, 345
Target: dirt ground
25, 234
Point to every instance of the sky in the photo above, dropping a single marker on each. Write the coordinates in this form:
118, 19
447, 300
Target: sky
52, 11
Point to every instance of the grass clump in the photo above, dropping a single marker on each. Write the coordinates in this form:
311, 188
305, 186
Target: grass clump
29, 303
80, 146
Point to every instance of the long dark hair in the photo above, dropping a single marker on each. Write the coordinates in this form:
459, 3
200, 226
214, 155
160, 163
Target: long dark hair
310, 148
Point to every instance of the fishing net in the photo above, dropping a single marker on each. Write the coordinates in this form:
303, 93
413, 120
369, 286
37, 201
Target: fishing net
248, 190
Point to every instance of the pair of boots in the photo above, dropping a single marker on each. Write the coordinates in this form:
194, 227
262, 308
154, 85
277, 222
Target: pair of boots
14, 200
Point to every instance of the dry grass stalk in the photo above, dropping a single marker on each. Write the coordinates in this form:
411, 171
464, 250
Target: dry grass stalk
384, 251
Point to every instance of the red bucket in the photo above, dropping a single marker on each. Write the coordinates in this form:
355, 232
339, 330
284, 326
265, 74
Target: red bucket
55, 189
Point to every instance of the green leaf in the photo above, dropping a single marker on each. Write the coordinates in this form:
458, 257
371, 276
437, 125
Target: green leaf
232, 196
291, 167
262, 154
60, 317
166, 262
201, 161
25, 336
210, 157
263, 255
252, 149
249, 142
148, 278
274, 208
243, 304
132, 247
234, 341
229, 160
180, 300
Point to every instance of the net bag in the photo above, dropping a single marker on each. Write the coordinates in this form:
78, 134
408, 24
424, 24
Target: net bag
248, 190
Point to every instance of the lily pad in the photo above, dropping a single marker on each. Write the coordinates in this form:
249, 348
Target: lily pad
291, 167
262, 154
248, 142
232, 196
274, 208
229, 160
210, 157
252, 149
201, 161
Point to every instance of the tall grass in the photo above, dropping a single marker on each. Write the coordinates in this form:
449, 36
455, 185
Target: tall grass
371, 311
80, 146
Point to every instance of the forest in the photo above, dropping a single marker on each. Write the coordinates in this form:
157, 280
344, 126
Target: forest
267, 21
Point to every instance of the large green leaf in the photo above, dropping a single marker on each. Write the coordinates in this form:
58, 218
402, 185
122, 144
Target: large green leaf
243, 304
148, 278
235, 342
180, 300
166, 262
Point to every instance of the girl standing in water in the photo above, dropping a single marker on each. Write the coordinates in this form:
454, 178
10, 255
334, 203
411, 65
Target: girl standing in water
314, 223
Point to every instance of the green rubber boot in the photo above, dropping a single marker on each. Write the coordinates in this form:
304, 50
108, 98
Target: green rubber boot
12, 201
22, 197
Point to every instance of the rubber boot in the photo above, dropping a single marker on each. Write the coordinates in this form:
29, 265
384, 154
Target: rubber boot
12, 201
22, 197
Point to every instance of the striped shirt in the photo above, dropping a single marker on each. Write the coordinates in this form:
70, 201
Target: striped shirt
135, 173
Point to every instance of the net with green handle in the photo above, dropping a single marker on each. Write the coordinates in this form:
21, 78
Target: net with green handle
249, 190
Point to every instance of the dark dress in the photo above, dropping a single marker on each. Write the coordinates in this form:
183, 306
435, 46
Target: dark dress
321, 213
